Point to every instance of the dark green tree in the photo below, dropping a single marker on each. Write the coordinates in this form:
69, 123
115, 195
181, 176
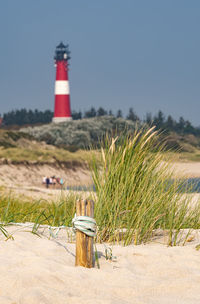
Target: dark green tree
101, 112
132, 115
119, 114
180, 126
189, 129
159, 120
76, 115
148, 119
23, 117
170, 124
91, 113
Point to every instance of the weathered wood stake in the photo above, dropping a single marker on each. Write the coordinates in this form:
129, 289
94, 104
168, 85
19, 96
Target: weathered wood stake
84, 243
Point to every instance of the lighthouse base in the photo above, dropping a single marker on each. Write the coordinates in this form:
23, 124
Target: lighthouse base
61, 119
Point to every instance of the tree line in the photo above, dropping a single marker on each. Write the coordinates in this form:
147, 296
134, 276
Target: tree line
31, 117
26, 117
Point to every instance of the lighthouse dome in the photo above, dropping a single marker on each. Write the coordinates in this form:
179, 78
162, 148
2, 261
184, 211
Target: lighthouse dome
62, 52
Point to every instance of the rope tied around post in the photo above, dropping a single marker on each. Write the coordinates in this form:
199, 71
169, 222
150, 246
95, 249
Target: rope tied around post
85, 227
85, 224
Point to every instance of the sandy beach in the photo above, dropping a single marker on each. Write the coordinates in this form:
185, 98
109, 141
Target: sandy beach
38, 270
26, 180
187, 169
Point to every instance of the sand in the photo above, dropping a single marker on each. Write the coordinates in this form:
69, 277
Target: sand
26, 180
38, 270
187, 169
38, 193
31, 175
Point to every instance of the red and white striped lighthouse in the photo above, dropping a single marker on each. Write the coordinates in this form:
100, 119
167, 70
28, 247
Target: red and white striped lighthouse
62, 110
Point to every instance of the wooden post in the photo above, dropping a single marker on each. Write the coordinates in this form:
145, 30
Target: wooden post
84, 243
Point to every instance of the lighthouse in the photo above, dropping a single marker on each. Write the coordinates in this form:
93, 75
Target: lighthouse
62, 110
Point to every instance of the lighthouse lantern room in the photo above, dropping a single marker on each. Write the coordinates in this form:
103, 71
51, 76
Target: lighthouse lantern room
62, 110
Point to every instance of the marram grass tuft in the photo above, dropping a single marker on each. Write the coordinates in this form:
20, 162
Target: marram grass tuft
134, 195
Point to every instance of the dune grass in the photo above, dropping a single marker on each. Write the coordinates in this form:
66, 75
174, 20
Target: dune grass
39, 154
134, 196
14, 210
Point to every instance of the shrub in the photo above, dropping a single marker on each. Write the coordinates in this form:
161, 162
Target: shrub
80, 133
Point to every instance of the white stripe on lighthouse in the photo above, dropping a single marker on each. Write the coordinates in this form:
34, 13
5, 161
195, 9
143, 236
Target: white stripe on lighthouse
62, 87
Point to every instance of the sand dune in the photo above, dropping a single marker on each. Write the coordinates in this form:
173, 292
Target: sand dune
41, 271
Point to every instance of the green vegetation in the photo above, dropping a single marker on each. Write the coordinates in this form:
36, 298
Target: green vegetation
44, 155
86, 133
10, 139
184, 156
187, 143
15, 210
133, 195
80, 134
23, 117
18, 147
30, 117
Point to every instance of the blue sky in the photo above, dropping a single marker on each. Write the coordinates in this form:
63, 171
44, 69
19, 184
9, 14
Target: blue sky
143, 54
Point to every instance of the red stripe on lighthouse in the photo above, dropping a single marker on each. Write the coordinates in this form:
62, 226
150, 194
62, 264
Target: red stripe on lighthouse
62, 106
61, 70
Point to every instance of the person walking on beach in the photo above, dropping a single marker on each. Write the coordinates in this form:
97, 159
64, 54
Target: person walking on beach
47, 182
44, 180
58, 180
61, 183
53, 181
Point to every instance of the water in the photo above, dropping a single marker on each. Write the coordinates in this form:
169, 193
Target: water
190, 185
81, 188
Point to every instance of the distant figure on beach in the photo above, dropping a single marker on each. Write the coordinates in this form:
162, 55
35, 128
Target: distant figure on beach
61, 182
53, 181
47, 182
